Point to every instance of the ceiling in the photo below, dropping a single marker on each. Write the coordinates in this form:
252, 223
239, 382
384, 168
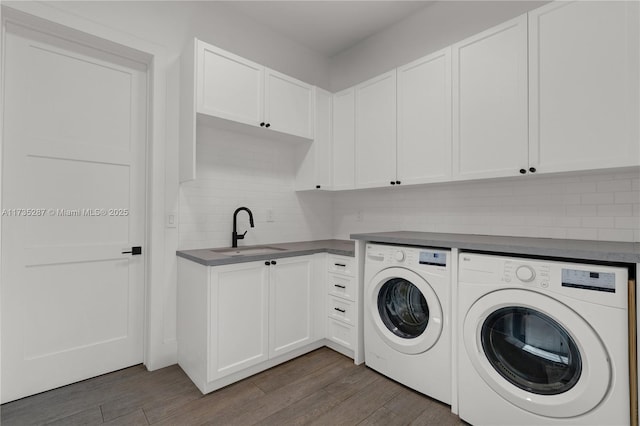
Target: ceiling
328, 27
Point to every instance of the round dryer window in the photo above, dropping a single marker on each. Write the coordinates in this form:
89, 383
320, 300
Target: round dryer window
404, 309
530, 349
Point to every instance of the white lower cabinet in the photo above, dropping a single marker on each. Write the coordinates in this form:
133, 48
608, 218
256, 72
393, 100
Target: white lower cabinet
236, 320
342, 306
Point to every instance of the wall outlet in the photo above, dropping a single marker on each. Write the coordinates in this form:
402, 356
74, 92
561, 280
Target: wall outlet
270, 215
359, 216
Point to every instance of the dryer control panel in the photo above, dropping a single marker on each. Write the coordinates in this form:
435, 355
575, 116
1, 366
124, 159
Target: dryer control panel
415, 257
601, 284
529, 274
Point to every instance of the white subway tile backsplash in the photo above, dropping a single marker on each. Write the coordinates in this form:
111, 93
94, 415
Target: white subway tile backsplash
598, 222
594, 205
615, 210
597, 198
614, 185
616, 235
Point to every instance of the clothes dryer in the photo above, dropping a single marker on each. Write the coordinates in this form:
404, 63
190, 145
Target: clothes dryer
407, 334
542, 342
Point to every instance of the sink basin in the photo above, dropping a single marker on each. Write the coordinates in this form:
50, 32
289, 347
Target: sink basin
247, 251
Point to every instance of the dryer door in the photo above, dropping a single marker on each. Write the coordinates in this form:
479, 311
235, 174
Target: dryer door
537, 353
405, 310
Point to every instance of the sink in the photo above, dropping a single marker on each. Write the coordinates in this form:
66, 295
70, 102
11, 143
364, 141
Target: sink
247, 251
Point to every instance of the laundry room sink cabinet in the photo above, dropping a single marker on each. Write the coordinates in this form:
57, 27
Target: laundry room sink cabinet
236, 320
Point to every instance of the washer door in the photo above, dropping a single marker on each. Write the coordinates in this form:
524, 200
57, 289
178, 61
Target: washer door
405, 310
537, 353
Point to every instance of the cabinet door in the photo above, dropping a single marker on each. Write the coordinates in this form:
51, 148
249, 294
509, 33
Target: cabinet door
314, 160
490, 136
376, 131
288, 105
424, 119
584, 85
344, 139
322, 141
290, 305
229, 86
239, 319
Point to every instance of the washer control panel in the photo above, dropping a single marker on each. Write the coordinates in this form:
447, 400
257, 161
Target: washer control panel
407, 256
536, 275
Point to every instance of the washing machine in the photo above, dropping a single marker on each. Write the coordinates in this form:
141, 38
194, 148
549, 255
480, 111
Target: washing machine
542, 342
407, 332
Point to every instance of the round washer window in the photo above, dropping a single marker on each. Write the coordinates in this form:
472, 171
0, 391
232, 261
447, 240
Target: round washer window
531, 350
403, 308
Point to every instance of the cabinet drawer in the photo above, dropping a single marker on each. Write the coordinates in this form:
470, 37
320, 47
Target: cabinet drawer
340, 333
341, 265
342, 310
341, 286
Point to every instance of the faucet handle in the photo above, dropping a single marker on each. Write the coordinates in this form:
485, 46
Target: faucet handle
240, 237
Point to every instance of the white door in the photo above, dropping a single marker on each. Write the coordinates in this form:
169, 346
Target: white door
376, 132
291, 310
344, 139
74, 153
490, 135
239, 318
424, 119
288, 105
584, 94
229, 86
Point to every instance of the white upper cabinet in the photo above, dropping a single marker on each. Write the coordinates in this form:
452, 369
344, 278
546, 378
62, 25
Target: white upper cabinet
314, 160
288, 105
376, 131
229, 86
221, 89
344, 139
583, 71
424, 119
490, 135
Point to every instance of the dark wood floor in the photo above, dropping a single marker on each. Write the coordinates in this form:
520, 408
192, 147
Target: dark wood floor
320, 388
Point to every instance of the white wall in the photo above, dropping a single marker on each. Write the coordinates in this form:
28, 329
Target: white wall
426, 31
595, 206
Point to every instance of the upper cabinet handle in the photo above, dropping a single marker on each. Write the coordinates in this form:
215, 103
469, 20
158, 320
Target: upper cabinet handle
267, 125
523, 171
262, 124
532, 169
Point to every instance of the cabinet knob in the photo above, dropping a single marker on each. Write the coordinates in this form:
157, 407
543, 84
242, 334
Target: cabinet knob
398, 182
267, 125
267, 263
262, 124
523, 171
532, 169
273, 262
392, 182
317, 186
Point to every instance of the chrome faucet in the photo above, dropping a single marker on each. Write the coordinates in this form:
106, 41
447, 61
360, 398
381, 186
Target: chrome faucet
235, 236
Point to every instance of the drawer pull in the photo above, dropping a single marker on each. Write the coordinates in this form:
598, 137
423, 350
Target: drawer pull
342, 265
339, 286
340, 310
